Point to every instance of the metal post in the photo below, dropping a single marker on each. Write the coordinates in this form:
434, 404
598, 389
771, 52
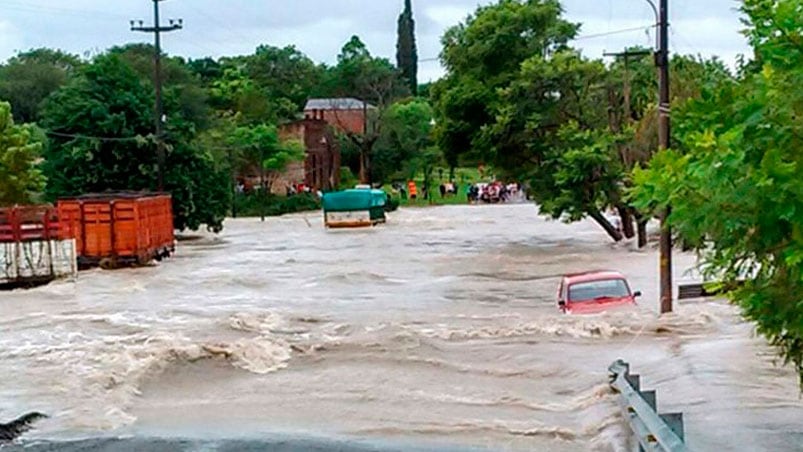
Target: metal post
234, 184
364, 178
663, 143
262, 189
157, 82
157, 29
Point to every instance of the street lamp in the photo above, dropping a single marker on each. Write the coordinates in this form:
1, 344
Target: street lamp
655, 10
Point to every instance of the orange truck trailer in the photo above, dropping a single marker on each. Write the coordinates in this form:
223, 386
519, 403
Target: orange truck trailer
118, 229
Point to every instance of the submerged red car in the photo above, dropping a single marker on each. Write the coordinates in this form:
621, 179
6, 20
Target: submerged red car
596, 291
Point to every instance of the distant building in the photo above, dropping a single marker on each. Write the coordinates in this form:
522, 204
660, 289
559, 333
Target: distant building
320, 169
344, 114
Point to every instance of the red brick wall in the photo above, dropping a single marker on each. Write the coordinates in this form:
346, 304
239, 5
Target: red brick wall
321, 168
344, 120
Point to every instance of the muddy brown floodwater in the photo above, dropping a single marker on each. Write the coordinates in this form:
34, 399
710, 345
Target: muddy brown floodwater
439, 328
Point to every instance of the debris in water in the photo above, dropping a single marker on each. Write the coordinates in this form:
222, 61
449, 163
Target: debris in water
14, 429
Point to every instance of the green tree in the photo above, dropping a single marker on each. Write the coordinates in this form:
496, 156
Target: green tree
361, 75
101, 124
184, 97
406, 133
734, 181
21, 181
551, 130
288, 77
406, 50
236, 95
425, 162
372, 80
29, 77
206, 69
260, 148
483, 56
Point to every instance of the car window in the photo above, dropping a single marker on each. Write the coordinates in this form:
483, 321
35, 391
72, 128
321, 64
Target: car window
588, 291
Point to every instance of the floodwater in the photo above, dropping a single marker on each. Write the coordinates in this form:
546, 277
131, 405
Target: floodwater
438, 329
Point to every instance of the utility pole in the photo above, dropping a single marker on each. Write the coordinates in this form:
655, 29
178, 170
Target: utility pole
157, 29
664, 111
626, 56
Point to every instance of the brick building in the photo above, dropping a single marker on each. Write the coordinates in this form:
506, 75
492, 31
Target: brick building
321, 167
344, 114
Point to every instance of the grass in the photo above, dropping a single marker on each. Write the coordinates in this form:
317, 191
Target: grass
463, 177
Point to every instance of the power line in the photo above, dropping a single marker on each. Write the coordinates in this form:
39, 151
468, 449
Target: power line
92, 137
581, 38
137, 138
38, 9
221, 24
614, 32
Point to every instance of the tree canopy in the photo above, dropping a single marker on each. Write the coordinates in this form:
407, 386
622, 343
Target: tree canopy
542, 113
21, 181
101, 125
733, 181
477, 71
406, 133
29, 77
406, 49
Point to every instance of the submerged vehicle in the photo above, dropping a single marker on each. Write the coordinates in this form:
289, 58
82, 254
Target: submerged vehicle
593, 292
354, 208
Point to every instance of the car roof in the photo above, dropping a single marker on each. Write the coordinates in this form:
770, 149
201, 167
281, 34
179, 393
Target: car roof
595, 275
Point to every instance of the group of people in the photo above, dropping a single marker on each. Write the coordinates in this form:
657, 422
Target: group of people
246, 187
495, 192
411, 190
487, 193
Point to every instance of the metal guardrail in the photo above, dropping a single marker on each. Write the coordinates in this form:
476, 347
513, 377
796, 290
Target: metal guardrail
653, 431
691, 291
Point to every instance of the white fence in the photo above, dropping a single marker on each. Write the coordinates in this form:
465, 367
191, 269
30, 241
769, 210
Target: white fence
22, 262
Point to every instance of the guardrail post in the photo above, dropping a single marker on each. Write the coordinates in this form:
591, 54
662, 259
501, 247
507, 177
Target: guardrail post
675, 422
652, 431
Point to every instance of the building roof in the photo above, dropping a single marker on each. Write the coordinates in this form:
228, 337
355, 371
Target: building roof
341, 103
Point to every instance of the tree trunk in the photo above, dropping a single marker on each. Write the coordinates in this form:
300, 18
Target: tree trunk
425, 188
627, 221
264, 191
606, 225
641, 222
365, 164
363, 168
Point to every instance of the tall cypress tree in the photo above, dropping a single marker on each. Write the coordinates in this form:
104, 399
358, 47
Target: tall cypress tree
406, 51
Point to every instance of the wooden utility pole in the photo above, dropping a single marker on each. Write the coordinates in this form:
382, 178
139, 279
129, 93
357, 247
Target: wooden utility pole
664, 111
626, 56
157, 29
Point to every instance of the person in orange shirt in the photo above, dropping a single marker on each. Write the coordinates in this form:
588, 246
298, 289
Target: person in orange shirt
412, 189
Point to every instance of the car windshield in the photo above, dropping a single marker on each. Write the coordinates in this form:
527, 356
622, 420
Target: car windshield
593, 290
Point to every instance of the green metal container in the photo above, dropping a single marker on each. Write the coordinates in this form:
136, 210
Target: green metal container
354, 208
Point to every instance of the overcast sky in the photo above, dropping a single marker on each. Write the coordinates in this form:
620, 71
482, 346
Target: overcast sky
320, 27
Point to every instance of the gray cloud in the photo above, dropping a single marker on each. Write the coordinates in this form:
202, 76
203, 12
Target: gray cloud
319, 27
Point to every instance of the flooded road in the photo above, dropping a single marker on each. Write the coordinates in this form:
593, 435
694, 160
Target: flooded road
438, 329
